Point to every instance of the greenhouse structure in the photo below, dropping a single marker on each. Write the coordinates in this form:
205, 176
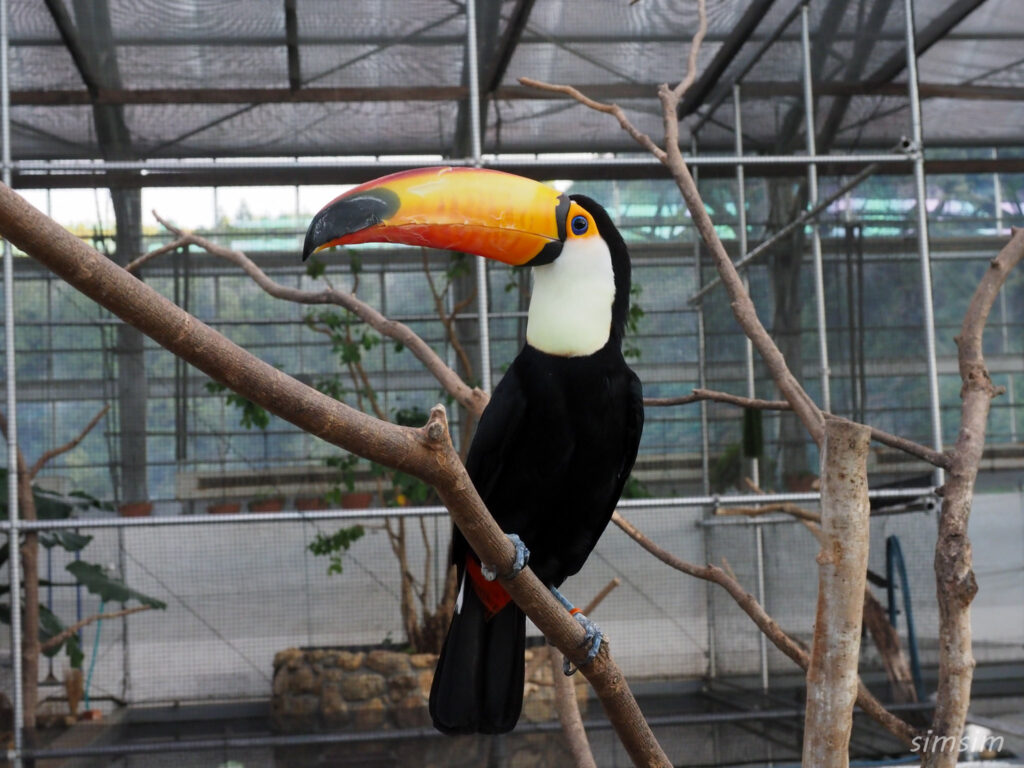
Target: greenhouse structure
215, 585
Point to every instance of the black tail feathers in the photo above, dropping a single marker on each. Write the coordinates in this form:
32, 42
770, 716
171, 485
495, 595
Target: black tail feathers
478, 683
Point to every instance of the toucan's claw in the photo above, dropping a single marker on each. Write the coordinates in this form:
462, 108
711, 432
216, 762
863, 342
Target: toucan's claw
593, 637
592, 633
522, 558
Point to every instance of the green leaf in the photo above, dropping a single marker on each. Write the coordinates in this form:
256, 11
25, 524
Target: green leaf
50, 626
335, 544
315, 268
108, 589
69, 540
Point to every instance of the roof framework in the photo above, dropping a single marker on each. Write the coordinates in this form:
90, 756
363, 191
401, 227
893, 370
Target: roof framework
345, 84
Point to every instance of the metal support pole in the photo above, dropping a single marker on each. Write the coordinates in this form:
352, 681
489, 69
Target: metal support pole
923, 252
13, 536
741, 206
812, 199
762, 637
705, 438
483, 321
997, 200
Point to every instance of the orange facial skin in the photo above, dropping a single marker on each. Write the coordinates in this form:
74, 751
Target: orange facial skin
493, 214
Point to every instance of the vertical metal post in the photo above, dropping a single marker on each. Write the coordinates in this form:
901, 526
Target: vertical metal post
812, 199
741, 206
762, 637
705, 437
997, 200
12, 404
474, 123
924, 255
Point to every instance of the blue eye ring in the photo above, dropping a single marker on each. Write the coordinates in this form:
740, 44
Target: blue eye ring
579, 225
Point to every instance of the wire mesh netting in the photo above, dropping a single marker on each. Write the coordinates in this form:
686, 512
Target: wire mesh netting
347, 84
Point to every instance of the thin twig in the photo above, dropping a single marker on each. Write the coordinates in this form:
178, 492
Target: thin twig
56, 640
783, 506
691, 62
53, 453
609, 109
933, 457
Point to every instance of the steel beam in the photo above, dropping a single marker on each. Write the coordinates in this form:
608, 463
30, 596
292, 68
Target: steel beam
724, 56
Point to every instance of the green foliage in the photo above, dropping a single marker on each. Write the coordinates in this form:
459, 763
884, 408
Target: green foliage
634, 489
252, 415
753, 434
315, 268
635, 314
346, 465
49, 627
349, 336
727, 469
334, 545
51, 505
90, 576
72, 541
108, 589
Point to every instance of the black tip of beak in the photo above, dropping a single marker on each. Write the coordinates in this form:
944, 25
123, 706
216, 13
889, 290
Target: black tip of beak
348, 215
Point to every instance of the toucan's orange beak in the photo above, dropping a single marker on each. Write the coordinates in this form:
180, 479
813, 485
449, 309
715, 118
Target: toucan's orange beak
497, 215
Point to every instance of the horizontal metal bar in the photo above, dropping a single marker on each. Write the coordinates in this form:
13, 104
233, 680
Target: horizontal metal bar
492, 161
432, 511
406, 734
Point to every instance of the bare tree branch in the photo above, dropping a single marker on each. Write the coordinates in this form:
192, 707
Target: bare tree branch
955, 582
763, 509
871, 706
568, 710
43, 460
936, 458
56, 640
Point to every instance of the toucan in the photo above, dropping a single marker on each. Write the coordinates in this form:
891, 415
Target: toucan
558, 439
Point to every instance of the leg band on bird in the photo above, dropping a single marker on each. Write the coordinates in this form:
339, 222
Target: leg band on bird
592, 633
522, 558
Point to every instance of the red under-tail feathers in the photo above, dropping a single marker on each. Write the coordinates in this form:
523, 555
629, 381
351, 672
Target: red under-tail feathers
491, 593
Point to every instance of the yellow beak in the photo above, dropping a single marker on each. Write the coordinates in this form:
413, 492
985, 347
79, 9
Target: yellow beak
489, 213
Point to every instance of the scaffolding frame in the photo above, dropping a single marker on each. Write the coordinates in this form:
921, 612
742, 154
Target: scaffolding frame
913, 153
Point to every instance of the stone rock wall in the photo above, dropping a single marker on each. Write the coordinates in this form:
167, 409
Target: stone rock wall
328, 690
317, 690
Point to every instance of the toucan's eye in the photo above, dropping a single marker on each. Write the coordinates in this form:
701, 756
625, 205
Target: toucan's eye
579, 225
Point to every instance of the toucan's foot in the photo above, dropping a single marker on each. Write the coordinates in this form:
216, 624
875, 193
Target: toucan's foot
592, 637
522, 558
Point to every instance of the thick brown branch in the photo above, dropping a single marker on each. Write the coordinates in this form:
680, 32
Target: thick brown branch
954, 574
865, 699
471, 398
43, 460
56, 640
842, 568
426, 453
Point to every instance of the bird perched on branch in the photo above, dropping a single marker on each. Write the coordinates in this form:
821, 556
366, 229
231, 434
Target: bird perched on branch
558, 439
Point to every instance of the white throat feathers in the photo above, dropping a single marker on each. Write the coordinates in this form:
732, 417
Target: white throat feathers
571, 307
